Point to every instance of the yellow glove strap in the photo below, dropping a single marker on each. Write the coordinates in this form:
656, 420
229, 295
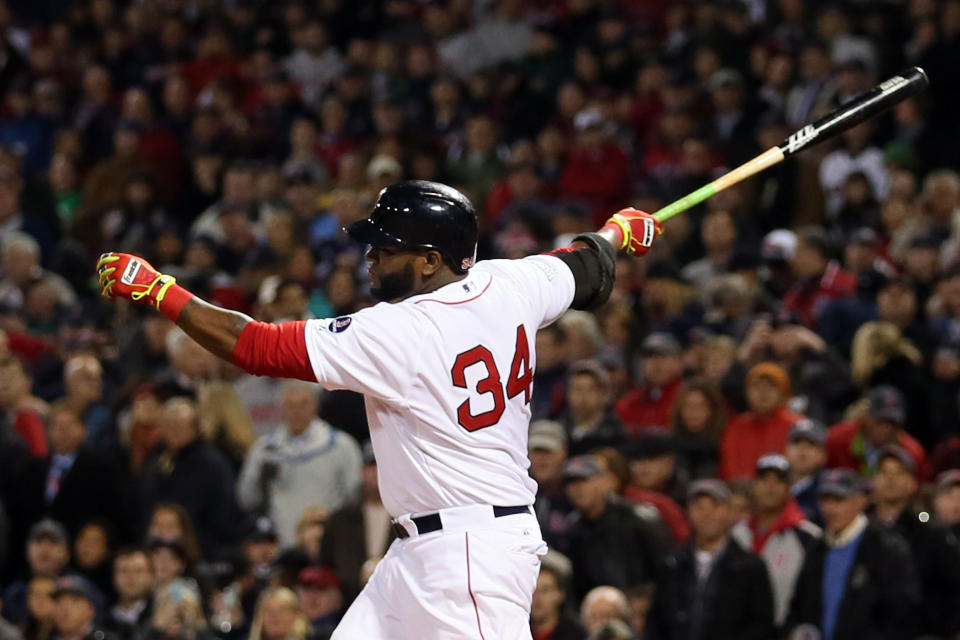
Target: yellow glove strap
165, 283
624, 225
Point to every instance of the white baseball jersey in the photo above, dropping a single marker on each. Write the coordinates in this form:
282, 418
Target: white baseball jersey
447, 378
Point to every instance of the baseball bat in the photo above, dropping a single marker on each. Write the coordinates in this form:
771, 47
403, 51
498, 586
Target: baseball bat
883, 96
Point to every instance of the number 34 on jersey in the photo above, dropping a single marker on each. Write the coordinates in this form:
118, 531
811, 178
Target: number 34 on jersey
490, 386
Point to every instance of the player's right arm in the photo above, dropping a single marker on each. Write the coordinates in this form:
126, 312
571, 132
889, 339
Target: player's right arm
259, 348
591, 258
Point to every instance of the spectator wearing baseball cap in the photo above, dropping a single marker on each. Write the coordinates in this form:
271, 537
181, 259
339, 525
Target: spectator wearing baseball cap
547, 446
855, 444
807, 457
763, 428
48, 553
946, 500
860, 564
589, 422
611, 543
76, 601
650, 404
318, 590
653, 465
654, 480
261, 545
935, 549
777, 529
712, 588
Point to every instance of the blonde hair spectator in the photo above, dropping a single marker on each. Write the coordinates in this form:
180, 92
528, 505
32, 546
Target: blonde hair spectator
874, 345
279, 617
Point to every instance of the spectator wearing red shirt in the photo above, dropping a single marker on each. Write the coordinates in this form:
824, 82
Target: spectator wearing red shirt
763, 428
652, 456
652, 404
654, 470
20, 409
856, 444
819, 279
596, 171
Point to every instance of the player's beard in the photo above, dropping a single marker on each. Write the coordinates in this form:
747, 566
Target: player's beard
394, 286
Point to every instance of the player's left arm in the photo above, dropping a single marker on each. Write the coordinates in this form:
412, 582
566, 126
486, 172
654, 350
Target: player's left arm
260, 348
592, 256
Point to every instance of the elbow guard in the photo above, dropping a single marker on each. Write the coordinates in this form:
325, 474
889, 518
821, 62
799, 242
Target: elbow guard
593, 269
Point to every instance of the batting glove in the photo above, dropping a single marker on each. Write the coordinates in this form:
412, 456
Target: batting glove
636, 230
122, 275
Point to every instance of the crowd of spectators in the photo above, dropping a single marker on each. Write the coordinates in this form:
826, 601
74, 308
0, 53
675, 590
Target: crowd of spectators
758, 436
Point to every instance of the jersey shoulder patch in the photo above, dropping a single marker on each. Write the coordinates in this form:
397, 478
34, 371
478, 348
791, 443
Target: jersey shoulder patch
340, 324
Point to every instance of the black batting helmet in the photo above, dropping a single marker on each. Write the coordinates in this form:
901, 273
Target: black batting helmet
418, 214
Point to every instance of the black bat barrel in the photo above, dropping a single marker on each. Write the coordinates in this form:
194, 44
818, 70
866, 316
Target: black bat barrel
886, 94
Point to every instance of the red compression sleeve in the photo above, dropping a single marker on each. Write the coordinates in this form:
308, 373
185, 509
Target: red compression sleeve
275, 350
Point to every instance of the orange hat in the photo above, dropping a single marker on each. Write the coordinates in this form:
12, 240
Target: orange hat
773, 372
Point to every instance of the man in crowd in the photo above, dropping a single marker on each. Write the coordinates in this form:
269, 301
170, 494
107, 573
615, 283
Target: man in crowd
610, 543
946, 500
935, 550
261, 545
74, 483
48, 552
553, 358
650, 404
855, 444
653, 464
133, 581
712, 589
548, 616
19, 408
193, 474
358, 532
761, 430
859, 581
589, 423
321, 599
777, 530
547, 445
83, 380
602, 606
819, 278
807, 457
308, 463
655, 478
77, 611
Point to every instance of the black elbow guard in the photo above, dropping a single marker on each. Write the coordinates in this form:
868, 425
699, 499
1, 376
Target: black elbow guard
593, 269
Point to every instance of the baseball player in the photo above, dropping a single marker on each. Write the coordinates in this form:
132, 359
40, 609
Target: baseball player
446, 365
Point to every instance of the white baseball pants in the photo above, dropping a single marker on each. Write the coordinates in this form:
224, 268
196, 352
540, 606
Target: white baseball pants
472, 580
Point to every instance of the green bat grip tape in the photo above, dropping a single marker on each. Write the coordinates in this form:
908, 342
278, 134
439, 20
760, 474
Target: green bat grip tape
685, 202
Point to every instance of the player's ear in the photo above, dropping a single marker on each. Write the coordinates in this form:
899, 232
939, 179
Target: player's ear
432, 263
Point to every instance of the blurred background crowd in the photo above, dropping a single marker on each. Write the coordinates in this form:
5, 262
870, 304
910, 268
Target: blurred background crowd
758, 436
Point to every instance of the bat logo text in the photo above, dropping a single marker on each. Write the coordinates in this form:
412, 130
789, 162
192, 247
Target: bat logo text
801, 138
